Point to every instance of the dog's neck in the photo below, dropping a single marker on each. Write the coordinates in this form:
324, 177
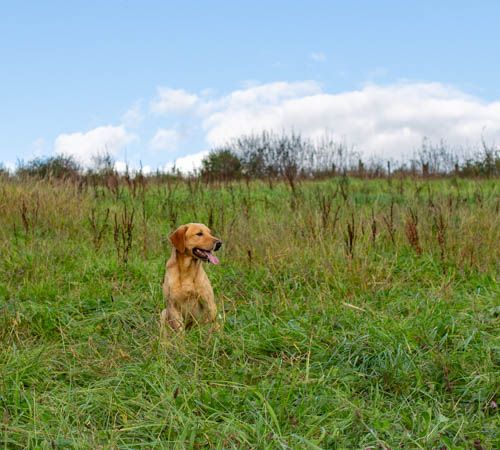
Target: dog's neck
186, 264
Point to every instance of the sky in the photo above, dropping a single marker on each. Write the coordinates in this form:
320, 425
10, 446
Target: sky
157, 83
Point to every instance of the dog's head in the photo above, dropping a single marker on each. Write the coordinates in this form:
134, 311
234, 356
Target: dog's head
196, 240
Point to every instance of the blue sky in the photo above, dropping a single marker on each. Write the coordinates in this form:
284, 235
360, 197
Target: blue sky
155, 81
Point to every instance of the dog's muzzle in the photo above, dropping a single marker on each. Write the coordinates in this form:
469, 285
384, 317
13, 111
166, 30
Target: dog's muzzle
217, 246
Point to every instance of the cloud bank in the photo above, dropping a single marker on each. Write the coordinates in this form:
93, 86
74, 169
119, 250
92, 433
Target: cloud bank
383, 121
84, 145
187, 164
172, 101
165, 139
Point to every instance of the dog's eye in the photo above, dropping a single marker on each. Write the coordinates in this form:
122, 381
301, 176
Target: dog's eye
199, 234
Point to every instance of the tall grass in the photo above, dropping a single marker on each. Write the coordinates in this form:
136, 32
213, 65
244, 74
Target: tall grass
357, 314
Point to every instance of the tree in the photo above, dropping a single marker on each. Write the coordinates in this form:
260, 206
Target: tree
270, 155
221, 165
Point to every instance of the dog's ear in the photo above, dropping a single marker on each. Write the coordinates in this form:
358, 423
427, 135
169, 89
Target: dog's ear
178, 238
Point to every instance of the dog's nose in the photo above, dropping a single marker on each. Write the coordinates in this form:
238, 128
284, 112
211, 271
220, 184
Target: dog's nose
218, 244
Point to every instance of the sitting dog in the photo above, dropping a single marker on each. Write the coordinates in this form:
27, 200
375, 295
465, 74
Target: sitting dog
187, 290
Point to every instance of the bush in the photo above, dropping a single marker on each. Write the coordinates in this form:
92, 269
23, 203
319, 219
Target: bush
59, 166
221, 165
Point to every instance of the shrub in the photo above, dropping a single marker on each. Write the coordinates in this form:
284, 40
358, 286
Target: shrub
221, 165
59, 166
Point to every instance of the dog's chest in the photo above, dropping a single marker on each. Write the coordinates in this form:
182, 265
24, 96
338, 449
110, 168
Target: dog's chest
192, 301
187, 292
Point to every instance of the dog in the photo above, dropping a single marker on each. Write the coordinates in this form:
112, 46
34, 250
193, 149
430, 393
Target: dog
186, 288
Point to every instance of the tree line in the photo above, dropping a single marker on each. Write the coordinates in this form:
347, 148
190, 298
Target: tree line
272, 156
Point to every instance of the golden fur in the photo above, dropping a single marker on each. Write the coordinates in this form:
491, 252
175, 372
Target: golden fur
187, 290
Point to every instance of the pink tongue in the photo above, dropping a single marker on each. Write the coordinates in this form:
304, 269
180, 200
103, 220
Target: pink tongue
213, 259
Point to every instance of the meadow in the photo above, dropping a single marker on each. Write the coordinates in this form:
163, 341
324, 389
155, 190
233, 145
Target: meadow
355, 314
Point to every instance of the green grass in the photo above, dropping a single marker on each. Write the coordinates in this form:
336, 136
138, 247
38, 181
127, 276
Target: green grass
319, 349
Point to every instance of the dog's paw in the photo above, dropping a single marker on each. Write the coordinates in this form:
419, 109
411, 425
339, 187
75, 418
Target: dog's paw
215, 327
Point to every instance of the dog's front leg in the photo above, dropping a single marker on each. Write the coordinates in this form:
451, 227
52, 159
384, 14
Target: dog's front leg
171, 318
211, 315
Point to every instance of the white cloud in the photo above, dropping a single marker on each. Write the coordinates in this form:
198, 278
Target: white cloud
121, 166
38, 147
172, 101
257, 96
10, 166
165, 139
187, 164
386, 121
133, 116
318, 56
83, 146
208, 92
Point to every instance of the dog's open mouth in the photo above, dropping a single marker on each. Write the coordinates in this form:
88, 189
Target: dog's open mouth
205, 255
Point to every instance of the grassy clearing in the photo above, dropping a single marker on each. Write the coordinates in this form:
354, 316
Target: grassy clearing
356, 314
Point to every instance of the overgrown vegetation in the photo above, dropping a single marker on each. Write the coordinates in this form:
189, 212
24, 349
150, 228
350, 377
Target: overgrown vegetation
290, 157
276, 157
356, 313
60, 167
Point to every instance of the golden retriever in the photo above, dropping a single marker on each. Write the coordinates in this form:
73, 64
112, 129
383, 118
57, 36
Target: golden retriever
187, 290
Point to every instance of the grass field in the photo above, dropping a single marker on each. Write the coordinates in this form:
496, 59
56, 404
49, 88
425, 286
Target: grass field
357, 314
